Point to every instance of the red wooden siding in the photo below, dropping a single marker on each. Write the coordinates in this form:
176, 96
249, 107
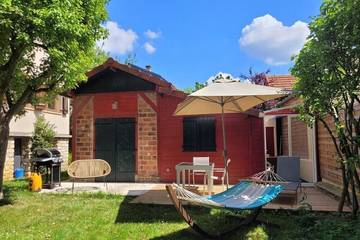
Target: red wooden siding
244, 136
270, 145
126, 101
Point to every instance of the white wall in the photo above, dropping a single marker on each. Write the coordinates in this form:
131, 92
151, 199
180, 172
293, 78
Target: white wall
25, 123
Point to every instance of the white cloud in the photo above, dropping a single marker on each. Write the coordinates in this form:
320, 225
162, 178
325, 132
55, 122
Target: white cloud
119, 41
149, 48
152, 34
268, 39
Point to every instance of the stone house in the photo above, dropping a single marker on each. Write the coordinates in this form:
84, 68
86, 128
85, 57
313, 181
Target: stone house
22, 128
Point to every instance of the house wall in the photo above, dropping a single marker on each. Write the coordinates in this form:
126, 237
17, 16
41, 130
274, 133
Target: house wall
138, 105
24, 125
159, 134
329, 161
244, 139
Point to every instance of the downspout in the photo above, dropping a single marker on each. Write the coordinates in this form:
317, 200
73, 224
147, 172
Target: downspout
318, 172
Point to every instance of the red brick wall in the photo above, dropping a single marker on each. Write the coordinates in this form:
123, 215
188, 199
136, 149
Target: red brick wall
83, 127
147, 164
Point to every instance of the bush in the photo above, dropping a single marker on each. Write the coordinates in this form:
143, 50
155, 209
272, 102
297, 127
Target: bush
44, 134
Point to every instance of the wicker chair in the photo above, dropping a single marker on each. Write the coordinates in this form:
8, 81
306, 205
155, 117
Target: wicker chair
88, 168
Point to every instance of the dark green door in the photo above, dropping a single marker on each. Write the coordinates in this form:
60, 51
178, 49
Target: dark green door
115, 143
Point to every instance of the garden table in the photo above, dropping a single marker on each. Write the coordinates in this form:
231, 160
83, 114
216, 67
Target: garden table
183, 166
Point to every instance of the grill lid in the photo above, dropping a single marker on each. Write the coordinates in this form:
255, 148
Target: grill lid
47, 154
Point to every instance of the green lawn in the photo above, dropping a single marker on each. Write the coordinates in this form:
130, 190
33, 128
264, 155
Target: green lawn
26, 215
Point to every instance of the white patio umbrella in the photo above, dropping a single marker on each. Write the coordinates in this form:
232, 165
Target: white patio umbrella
227, 96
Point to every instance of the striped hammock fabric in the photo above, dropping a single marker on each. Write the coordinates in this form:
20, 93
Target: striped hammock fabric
242, 196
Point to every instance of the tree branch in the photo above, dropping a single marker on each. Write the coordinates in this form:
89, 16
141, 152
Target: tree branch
20, 103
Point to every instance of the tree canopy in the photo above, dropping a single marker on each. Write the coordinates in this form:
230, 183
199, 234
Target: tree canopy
328, 72
46, 46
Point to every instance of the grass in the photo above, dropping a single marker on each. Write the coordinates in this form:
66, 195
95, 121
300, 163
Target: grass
26, 215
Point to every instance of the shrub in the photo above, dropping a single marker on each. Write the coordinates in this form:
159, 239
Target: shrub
44, 134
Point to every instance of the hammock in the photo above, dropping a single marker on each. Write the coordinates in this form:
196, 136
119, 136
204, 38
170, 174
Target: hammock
246, 195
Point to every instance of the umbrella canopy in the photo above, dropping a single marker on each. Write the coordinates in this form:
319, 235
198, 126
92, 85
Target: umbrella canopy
227, 96
234, 96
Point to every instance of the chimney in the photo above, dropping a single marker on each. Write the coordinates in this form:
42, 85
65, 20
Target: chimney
148, 67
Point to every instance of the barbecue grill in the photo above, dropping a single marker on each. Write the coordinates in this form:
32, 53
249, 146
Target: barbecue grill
47, 161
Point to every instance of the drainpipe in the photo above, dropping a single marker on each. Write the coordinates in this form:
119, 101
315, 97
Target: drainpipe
318, 172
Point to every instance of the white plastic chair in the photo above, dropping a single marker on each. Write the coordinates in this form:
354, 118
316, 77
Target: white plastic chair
199, 161
224, 174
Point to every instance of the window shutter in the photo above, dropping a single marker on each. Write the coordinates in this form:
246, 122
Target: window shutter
206, 134
189, 134
199, 134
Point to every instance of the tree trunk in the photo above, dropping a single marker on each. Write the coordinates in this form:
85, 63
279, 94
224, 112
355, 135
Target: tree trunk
345, 191
4, 137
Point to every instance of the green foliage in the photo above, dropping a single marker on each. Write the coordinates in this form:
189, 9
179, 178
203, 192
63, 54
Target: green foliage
327, 69
44, 134
130, 59
47, 45
197, 86
258, 233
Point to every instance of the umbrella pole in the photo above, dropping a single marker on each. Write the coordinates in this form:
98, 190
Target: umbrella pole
225, 154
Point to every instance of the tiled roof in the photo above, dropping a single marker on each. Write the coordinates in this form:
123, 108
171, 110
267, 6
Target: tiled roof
281, 81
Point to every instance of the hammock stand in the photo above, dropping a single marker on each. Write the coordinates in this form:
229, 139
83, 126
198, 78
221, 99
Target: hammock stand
237, 197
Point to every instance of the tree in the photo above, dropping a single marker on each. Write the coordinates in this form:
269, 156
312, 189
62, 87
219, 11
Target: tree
45, 48
328, 73
260, 78
44, 134
197, 86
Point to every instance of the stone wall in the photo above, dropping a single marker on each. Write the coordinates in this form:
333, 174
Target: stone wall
9, 162
147, 166
84, 128
62, 144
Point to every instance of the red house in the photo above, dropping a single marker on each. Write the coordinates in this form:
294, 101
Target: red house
125, 115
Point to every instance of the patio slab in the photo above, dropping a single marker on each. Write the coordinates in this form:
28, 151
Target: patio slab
315, 198
125, 189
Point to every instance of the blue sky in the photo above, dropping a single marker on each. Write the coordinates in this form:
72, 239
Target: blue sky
187, 41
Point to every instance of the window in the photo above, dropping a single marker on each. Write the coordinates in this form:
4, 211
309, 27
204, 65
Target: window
64, 105
199, 134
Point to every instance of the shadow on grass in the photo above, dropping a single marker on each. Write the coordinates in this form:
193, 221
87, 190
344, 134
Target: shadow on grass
213, 221
145, 213
181, 234
10, 190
